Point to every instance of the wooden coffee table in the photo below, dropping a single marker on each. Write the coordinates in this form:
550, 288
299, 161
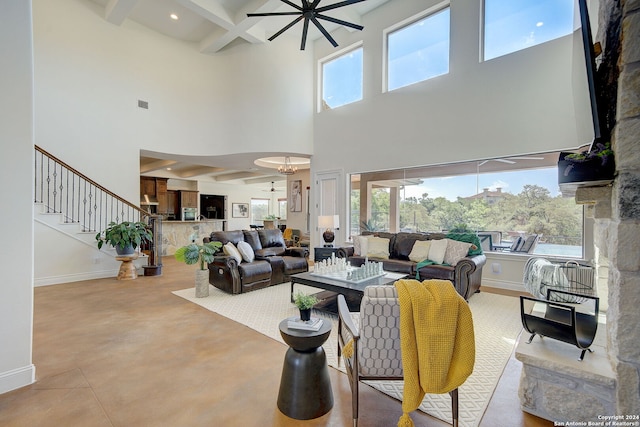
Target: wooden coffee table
332, 287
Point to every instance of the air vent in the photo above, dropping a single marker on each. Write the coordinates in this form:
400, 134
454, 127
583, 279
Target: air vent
143, 104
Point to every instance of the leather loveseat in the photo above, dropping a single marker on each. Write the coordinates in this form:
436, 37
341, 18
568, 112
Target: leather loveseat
466, 275
274, 263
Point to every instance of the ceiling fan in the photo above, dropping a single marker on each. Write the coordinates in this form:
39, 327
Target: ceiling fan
309, 11
273, 189
510, 160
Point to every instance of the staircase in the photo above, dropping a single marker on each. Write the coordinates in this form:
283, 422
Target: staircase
69, 210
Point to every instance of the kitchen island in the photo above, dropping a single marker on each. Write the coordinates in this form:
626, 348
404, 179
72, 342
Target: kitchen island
176, 234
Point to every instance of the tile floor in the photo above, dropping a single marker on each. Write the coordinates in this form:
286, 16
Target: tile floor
130, 353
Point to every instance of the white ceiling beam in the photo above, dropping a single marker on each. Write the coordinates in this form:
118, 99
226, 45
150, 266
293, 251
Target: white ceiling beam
266, 179
156, 165
210, 10
196, 171
116, 11
236, 175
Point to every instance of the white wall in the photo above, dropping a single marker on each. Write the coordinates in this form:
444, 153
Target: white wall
16, 171
90, 74
518, 103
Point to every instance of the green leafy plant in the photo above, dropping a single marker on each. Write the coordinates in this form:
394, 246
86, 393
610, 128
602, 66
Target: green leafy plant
601, 151
192, 254
270, 217
304, 301
121, 235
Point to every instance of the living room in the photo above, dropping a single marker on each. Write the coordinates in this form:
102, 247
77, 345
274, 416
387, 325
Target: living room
88, 74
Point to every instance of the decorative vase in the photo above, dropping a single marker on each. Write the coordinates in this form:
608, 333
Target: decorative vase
305, 314
202, 283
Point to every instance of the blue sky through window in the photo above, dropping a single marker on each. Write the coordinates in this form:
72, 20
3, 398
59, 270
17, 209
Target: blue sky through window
512, 25
342, 79
419, 51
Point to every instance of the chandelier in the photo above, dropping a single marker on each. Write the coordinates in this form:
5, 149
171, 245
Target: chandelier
287, 168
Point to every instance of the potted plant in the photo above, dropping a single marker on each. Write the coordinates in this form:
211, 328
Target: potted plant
304, 303
202, 254
595, 164
125, 237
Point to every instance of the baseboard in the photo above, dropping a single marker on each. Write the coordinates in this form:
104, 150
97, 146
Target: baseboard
17, 378
66, 278
505, 285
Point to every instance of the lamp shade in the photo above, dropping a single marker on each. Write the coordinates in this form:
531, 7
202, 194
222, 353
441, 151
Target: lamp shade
329, 222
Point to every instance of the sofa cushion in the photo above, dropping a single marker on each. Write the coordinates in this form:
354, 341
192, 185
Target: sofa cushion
267, 252
378, 247
252, 238
437, 250
456, 251
225, 237
420, 250
442, 272
270, 238
230, 250
399, 266
246, 251
254, 271
403, 244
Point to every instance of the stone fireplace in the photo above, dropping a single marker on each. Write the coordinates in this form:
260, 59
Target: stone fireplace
554, 385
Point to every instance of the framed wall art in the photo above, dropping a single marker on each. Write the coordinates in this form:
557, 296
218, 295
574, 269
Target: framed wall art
240, 210
295, 196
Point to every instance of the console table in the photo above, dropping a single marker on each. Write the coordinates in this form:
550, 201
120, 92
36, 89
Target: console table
322, 253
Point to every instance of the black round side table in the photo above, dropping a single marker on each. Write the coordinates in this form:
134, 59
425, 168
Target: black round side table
305, 387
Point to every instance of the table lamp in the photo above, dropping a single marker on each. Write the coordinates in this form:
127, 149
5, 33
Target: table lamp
329, 223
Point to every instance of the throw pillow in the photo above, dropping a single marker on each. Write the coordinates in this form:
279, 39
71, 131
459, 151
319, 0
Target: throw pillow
378, 247
437, 250
230, 250
456, 251
420, 250
361, 245
246, 251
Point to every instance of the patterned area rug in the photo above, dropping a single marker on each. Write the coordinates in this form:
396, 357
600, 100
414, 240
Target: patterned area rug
496, 319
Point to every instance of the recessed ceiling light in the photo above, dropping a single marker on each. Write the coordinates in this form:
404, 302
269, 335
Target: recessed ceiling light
168, 169
540, 24
174, 16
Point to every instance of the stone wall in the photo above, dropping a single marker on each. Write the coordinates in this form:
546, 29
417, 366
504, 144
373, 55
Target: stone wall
623, 242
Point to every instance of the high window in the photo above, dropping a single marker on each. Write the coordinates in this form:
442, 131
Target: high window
510, 26
342, 79
504, 198
418, 50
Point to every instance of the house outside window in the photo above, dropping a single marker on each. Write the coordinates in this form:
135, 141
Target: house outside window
500, 199
342, 81
418, 50
510, 26
259, 209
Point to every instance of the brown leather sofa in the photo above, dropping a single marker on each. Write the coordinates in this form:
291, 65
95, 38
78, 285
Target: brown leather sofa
466, 275
274, 263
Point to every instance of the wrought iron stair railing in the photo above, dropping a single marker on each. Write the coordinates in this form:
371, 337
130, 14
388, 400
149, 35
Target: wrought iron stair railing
64, 190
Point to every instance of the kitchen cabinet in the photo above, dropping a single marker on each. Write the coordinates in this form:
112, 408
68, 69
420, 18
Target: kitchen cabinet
188, 199
161, 195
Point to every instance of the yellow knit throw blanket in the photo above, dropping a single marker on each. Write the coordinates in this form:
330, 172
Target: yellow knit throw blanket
436, 339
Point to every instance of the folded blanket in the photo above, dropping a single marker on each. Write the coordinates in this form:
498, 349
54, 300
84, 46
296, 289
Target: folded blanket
436, 338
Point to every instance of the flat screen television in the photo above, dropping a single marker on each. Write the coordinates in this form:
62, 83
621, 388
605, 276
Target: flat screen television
590, 62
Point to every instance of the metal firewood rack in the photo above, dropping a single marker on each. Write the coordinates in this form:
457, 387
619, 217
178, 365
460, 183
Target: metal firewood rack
574, 324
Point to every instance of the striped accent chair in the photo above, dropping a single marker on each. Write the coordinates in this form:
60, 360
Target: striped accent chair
369, 342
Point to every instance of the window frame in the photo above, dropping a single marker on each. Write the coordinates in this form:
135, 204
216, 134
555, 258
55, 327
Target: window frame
329, 58
399, 26
445, 170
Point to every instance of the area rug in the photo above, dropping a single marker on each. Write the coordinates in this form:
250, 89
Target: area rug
496, 321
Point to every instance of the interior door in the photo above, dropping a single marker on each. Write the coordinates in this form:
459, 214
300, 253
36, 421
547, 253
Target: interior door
329, 197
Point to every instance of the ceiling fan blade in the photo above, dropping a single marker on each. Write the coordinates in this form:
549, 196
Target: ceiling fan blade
272, 14
324, 32
291, 24
339, 21
336, 5
304, 33
292, 4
